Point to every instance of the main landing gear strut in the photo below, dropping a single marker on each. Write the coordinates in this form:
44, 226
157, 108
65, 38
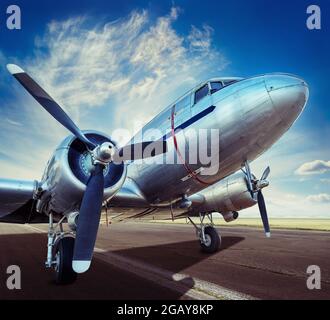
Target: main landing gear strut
60, 252
210, 240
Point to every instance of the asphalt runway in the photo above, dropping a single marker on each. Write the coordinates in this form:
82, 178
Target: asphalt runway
164, 261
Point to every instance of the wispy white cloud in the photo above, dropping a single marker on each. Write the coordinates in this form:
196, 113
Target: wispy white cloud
295, 147
313, 167
13, 122
134, 65
320, 198
106, 76
200, 39
281, 204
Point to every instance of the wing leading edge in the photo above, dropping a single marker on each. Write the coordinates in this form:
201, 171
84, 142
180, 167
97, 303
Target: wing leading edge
16, 200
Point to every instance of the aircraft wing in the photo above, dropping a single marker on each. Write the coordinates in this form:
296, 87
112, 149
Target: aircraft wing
129, 195
16, 200
129, 203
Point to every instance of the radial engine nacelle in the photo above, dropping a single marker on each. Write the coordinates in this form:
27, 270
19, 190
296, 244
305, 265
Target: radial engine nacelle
228, 195
67, 173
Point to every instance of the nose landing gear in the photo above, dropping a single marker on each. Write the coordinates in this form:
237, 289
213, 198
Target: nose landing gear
60, 252
209, 239
64, 273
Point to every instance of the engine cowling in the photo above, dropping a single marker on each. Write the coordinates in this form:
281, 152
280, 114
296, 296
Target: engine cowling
228, 195
67, 173
230, 216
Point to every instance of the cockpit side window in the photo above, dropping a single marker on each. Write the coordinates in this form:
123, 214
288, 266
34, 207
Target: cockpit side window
201, 92
216, 86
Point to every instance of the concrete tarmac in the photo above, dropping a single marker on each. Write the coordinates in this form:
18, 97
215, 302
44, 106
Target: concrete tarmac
164, 261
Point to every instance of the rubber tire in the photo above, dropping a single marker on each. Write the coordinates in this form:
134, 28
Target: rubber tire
65, 273
215, 240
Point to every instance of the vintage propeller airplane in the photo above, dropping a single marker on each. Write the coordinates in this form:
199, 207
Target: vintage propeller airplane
88, 171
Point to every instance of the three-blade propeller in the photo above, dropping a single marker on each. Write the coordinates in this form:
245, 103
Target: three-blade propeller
91, 205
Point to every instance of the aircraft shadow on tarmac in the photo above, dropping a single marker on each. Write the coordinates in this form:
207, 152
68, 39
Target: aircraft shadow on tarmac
175, 256
103, 281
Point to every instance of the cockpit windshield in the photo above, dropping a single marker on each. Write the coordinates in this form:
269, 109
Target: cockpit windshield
228, 82
213, 87
217, 85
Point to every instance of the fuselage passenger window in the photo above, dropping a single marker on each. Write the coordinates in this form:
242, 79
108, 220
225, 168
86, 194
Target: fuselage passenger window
201, 93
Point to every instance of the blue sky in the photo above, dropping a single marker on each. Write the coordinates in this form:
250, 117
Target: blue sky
87, 53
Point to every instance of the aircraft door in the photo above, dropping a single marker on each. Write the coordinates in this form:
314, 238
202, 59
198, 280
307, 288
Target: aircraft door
182, 110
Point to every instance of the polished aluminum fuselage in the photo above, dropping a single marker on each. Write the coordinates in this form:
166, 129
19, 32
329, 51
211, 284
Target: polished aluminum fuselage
251, 116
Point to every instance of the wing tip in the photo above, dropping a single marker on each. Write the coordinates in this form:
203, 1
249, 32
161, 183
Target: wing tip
80, 266
14, 69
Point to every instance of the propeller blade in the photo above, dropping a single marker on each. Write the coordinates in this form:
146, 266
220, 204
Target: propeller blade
47, 102
88, 221
140, 150
265, 174
263, 213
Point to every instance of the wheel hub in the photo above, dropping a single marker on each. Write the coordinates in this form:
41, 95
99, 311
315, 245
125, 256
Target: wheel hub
57, 262
207, 241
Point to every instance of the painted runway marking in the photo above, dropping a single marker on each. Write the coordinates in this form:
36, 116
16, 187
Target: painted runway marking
192, 287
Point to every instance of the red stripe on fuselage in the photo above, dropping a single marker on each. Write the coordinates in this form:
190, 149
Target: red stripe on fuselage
191, 172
